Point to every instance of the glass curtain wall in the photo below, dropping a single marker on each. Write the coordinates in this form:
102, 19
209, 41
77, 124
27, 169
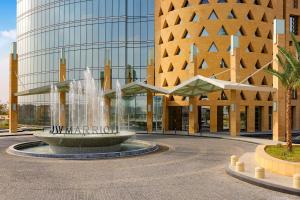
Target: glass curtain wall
86, 29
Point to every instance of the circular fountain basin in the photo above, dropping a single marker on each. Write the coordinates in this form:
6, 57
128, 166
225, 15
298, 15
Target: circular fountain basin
78, 143
43, 150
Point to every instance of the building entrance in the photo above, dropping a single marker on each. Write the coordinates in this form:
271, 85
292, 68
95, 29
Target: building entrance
178, 118
258, 118
223, 118
204, 118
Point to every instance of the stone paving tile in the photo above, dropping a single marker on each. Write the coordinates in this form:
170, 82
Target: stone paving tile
194, 168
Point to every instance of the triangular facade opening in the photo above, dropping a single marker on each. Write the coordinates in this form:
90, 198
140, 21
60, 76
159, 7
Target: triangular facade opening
160, 70
203, 32
160, 12
231, 15
165, 25
171, 37
184, 66
203, 2
213, 16
243, 97
177, 82
178, 20
177, 51
223, 64
185, 4
203, 65
160, 41
264, 81
264, 18
257, 65
213, 48
222, 31
264, 49
165, 83
171, 7
257, 97
223, 96
186, 34
194, 18
250, 48
242, 64
241, 32
270, 36
270, 4
250, 16
257, 2
171, 68
165, 54
270, 97
257, 33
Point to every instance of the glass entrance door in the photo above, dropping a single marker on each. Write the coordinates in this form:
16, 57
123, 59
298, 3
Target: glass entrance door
258, 118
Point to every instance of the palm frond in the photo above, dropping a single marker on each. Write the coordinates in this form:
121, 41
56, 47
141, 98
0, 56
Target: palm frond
280, 76
288, 56
296, 44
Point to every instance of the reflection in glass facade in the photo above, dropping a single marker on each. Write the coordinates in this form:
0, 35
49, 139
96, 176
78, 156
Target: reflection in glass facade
86, 29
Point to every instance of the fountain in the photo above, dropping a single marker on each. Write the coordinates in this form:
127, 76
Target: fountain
89, 134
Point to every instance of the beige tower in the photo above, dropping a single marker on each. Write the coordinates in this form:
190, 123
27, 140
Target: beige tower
209, 24
13, 88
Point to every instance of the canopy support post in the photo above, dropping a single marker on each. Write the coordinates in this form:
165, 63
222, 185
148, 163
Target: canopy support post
165, 116
279, 97
107, 86
193, 100
234, 94
150, 81
62, 95
13, 88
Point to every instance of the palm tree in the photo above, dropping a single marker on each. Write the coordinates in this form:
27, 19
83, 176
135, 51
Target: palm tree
290, 79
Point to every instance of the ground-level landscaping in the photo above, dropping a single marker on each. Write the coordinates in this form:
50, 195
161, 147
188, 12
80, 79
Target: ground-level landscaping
3, 124
281, 152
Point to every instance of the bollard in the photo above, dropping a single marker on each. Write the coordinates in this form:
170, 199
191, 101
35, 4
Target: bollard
233, 160
260, 172
239, 167
296, 181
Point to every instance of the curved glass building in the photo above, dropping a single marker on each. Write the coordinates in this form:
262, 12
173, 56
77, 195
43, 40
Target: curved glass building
87, 30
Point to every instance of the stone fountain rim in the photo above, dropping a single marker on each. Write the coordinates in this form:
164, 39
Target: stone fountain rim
16, 149
121, 134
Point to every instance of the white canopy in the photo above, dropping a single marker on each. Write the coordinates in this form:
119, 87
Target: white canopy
202, 85
136, 88
195, 86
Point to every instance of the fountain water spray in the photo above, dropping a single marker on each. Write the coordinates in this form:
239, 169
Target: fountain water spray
86, 105
54, 105
118, 106
87, 130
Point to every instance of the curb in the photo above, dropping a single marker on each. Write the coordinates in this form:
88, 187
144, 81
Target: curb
15, 135
261, 183
203, 136
16, 149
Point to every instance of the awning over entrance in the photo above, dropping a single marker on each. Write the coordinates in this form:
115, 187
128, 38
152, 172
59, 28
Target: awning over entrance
136, 88
202, 85
195, 86
62, 87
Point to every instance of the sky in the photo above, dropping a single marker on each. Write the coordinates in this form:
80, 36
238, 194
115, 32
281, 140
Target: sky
7, 36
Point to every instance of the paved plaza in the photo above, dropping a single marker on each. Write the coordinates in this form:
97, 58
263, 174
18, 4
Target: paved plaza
193, 168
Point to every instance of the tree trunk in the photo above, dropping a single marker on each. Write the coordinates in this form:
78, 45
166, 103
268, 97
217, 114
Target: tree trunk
289, 120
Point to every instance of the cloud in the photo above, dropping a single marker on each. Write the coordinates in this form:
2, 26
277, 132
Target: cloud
6, 38
9, 34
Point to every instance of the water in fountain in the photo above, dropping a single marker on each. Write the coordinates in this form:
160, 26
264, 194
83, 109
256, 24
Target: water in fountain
118, 106
86, 104
54, 105
86, 116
